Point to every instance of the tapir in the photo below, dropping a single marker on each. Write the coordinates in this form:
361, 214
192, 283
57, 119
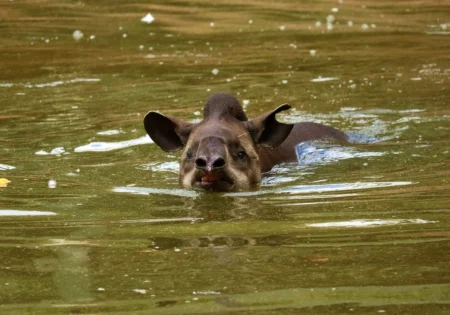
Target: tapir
228, 152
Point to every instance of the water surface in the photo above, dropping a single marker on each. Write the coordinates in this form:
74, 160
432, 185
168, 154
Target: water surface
92, 218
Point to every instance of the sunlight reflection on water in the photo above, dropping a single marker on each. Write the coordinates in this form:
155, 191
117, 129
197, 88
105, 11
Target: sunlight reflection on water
109, 146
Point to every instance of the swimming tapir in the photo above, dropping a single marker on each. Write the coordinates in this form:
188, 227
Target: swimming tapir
226, 151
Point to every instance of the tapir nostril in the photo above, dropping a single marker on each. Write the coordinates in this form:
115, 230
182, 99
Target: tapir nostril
200, 163
218, 163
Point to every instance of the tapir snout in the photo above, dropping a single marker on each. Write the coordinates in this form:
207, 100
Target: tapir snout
226, 151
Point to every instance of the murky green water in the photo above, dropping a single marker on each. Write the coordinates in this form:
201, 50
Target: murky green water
365, 232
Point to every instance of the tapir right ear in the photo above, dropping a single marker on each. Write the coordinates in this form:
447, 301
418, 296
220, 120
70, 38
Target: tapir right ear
169, 133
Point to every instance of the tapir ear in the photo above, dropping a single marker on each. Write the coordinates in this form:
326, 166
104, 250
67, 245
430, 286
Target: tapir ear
169, 133
267, 131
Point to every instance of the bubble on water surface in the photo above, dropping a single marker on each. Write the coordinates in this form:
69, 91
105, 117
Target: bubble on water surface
77, 35
148, 19
109, 146
52, 183
215, 71
313, 52
6, 213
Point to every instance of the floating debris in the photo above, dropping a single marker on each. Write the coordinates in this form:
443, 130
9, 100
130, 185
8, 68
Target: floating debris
215, 71
313, 52
148, 19
4, 182
77, 35
365, 27
52, 183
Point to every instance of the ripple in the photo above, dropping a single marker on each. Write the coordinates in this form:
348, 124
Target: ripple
4, 167
24, 213
311, 152
366, 223
50, 84
156, 191
109, 146
310, 189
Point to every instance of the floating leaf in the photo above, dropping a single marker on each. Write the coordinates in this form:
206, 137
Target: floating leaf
4, 182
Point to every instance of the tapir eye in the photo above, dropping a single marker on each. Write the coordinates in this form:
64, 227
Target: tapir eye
189, 155
242, 154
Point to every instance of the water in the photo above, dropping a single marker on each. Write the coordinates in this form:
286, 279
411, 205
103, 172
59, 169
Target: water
361, 228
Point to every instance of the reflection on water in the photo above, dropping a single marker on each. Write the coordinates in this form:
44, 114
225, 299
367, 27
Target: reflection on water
24, 213
360, 228
108, 146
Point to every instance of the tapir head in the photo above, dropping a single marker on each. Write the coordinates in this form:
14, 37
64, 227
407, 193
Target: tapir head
220, 153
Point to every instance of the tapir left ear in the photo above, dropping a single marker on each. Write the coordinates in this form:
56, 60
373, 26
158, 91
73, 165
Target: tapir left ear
267, 131
169, 133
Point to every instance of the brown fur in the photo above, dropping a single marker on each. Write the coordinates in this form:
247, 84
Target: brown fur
226, 151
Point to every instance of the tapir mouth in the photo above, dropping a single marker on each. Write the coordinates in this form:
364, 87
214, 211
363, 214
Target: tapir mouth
214, 180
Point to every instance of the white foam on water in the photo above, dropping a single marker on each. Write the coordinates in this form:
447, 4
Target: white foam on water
325, 79
24, 213
51, 84
56, 151
156, 191
149, 18
110, 132
109, 146
173, 167
322, 153
4, 167
368, 223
